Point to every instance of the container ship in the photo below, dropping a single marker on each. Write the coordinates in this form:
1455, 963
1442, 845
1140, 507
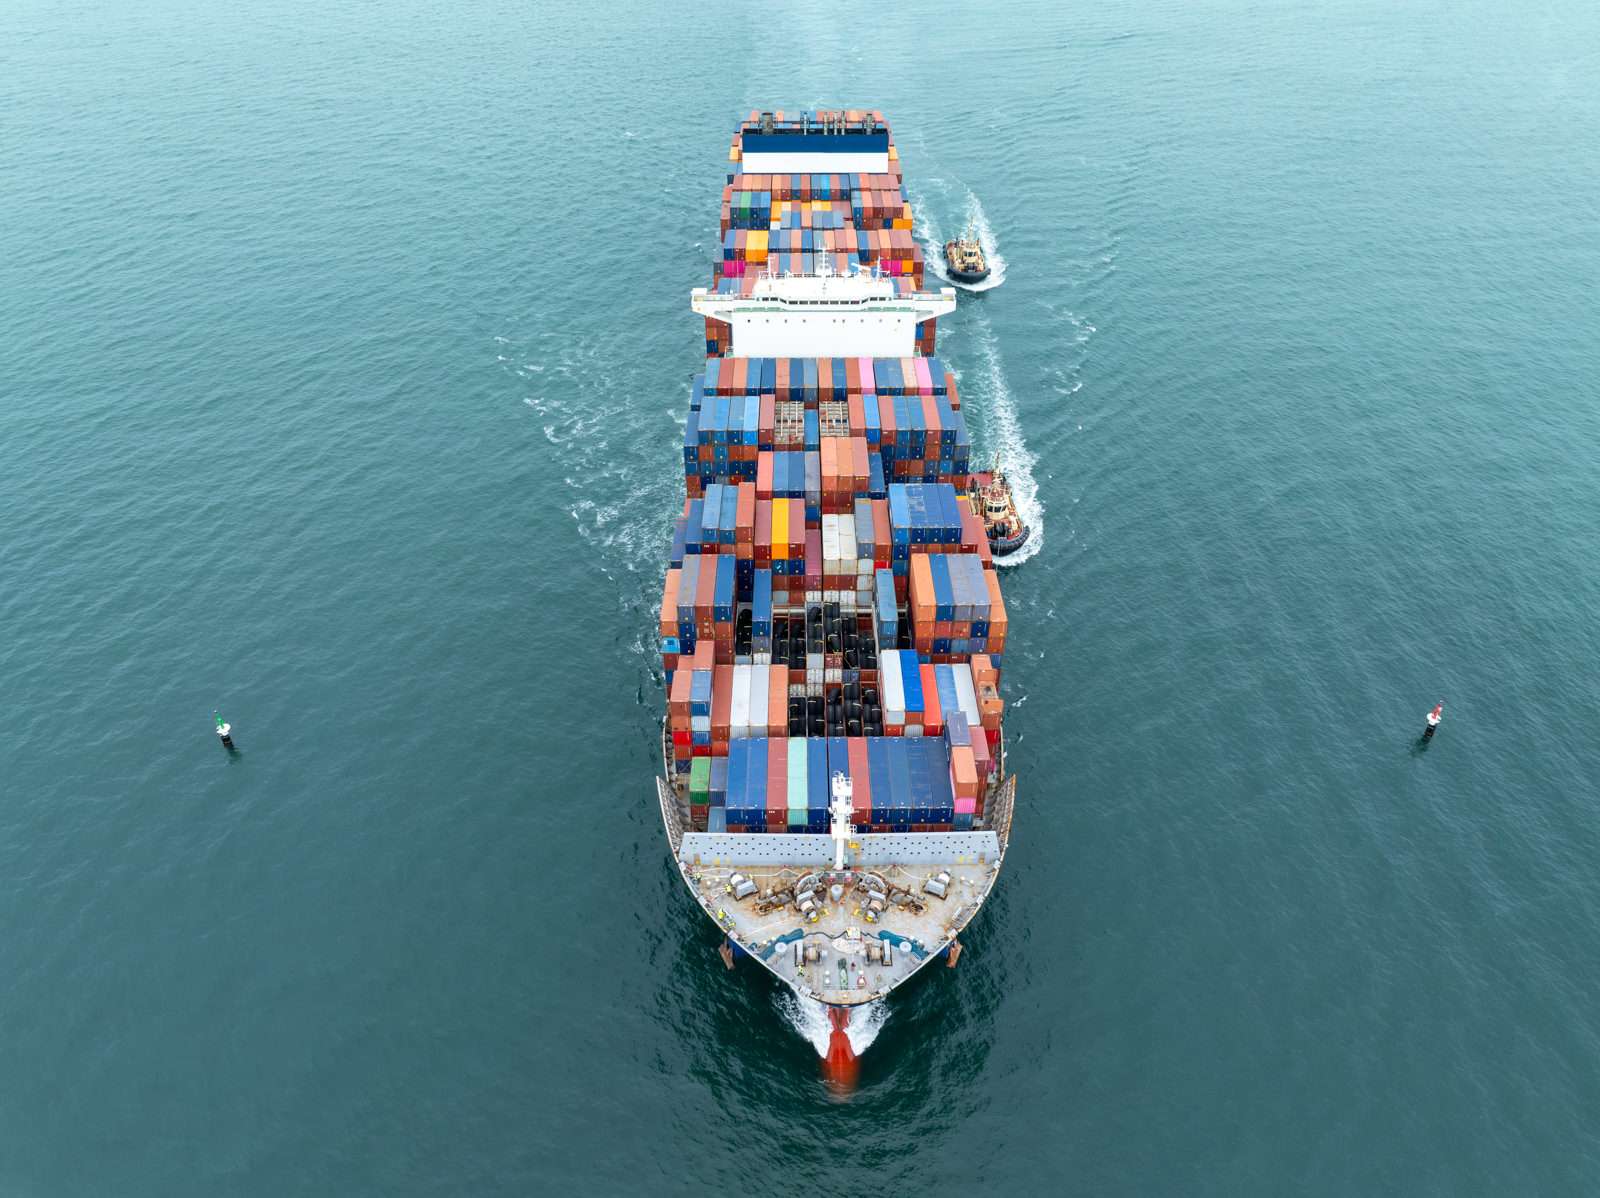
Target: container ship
834, 786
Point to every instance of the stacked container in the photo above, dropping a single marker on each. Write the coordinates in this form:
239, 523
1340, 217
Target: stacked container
830, 605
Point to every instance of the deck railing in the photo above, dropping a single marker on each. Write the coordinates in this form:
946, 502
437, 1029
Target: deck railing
1001, 809
669, 814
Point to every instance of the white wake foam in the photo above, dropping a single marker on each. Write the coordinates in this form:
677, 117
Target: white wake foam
810, 1019
576, 384
1003, 436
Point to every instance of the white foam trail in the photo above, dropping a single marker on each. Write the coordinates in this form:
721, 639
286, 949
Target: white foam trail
1004, 436
810, 1019
933, 242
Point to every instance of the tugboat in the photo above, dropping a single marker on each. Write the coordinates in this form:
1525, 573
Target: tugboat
964, 259
992, 503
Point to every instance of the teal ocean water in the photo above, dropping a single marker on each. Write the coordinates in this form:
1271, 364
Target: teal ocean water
346, 349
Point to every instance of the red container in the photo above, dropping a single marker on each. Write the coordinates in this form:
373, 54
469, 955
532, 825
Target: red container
777, 778
860, 779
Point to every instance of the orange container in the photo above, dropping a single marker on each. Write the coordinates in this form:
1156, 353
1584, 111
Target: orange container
678, 699
963, 772
880, 533
998, 620
922, 598
745, 514
991, 707
932, 712
721, 702
669, 603
763, 534
778, 702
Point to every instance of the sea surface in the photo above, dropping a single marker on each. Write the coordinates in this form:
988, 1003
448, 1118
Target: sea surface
346, 350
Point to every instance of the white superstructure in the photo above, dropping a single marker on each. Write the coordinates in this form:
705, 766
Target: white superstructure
802, 163
824, 315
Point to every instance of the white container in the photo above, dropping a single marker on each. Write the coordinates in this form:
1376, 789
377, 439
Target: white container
760, 688
847, 544
966, 693
894, 690
830, 544
739, 703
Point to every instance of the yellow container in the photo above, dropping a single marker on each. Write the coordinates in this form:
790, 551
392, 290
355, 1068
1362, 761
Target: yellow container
755, 249
780, 530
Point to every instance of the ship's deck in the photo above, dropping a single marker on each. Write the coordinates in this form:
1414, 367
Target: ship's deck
842, 959
915, 925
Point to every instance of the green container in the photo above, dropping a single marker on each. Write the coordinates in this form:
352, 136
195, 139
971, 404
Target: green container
700, 779
797, 774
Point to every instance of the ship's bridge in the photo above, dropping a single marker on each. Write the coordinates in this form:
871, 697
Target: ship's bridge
824, 315
808, 142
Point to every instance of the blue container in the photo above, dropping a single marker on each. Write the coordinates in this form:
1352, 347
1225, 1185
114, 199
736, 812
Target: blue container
870, 419
838, 760
761, 603
943, 592
912, 677
956, 732
728, 523
760, 757
723, 593
899, 514
900, 775
817, 774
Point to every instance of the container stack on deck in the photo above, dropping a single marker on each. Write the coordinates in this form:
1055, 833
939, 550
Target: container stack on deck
794, 223
830, 606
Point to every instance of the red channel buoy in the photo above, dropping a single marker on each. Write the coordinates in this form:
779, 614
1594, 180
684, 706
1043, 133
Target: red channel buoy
1434, 717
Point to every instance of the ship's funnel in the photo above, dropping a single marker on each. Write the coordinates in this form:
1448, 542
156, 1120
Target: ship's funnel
840, 1068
